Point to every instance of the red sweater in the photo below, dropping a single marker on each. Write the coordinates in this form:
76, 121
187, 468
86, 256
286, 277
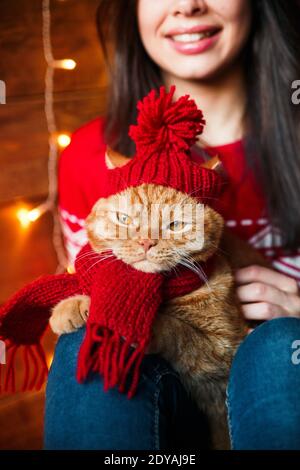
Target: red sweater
82, 171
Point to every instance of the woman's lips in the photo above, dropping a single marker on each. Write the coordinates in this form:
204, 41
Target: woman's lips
194, 47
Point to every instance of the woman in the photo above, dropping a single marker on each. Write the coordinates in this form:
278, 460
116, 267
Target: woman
237, 59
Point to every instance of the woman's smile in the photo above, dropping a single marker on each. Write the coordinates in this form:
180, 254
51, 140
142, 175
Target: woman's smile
194, 40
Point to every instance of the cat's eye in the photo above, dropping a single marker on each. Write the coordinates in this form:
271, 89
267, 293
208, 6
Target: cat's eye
123, 218
176, 226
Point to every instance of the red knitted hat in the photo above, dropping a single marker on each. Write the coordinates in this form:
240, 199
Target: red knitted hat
164, 134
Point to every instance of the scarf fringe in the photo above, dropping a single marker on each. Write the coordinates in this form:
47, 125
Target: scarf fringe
35, 368
105, 352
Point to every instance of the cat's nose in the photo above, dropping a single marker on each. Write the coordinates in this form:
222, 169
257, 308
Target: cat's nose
146, 243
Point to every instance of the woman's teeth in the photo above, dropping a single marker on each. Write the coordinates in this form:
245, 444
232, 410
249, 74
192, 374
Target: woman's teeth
192, 37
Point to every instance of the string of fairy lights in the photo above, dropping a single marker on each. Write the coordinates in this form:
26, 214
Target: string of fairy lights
57, 140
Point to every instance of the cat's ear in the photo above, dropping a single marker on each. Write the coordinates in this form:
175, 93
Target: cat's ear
214, 163
114, 159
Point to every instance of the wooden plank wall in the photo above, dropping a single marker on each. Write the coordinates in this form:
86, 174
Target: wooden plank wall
79, 96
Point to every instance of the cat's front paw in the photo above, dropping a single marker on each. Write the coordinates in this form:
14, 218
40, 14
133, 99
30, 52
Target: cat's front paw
70, 314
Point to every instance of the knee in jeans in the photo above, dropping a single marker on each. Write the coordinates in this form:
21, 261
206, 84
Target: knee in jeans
271, 335
280, 329
269, 345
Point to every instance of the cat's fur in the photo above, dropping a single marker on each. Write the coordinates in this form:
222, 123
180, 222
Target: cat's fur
197, 333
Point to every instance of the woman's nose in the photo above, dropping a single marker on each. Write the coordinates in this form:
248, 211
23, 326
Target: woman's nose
146, 243
188, 7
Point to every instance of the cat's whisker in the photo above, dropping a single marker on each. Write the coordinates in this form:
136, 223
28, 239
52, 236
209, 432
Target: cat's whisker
102, 259
199, 271
205, 279
90, 256
99, 261
189, 262
174, 268
92, 253
87, 259
189, 266
111, 261
189, 258
171, 267
193, 267
88, 253
98, 258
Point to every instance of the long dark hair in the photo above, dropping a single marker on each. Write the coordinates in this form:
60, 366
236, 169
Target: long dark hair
272, 63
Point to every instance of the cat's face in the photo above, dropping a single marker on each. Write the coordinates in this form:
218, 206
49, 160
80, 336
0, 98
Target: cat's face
154, 228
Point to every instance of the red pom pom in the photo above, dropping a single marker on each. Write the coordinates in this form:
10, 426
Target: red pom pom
166, 125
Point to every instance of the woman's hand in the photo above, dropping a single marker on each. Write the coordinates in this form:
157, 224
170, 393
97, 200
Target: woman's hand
266, 294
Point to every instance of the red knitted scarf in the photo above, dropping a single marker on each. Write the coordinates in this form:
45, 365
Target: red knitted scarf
124, 303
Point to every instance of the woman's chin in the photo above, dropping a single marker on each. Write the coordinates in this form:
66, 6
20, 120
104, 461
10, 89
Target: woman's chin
194, 67
191, 73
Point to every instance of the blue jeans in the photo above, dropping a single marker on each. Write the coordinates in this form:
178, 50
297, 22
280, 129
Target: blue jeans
262, 399
83, 416
263, 392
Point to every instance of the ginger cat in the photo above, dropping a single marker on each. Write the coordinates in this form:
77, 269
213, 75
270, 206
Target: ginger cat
197, 333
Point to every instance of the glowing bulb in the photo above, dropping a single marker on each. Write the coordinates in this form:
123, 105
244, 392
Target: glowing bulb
63, 140
22, 215
26, 216
34, 214
67, 64
70, 269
